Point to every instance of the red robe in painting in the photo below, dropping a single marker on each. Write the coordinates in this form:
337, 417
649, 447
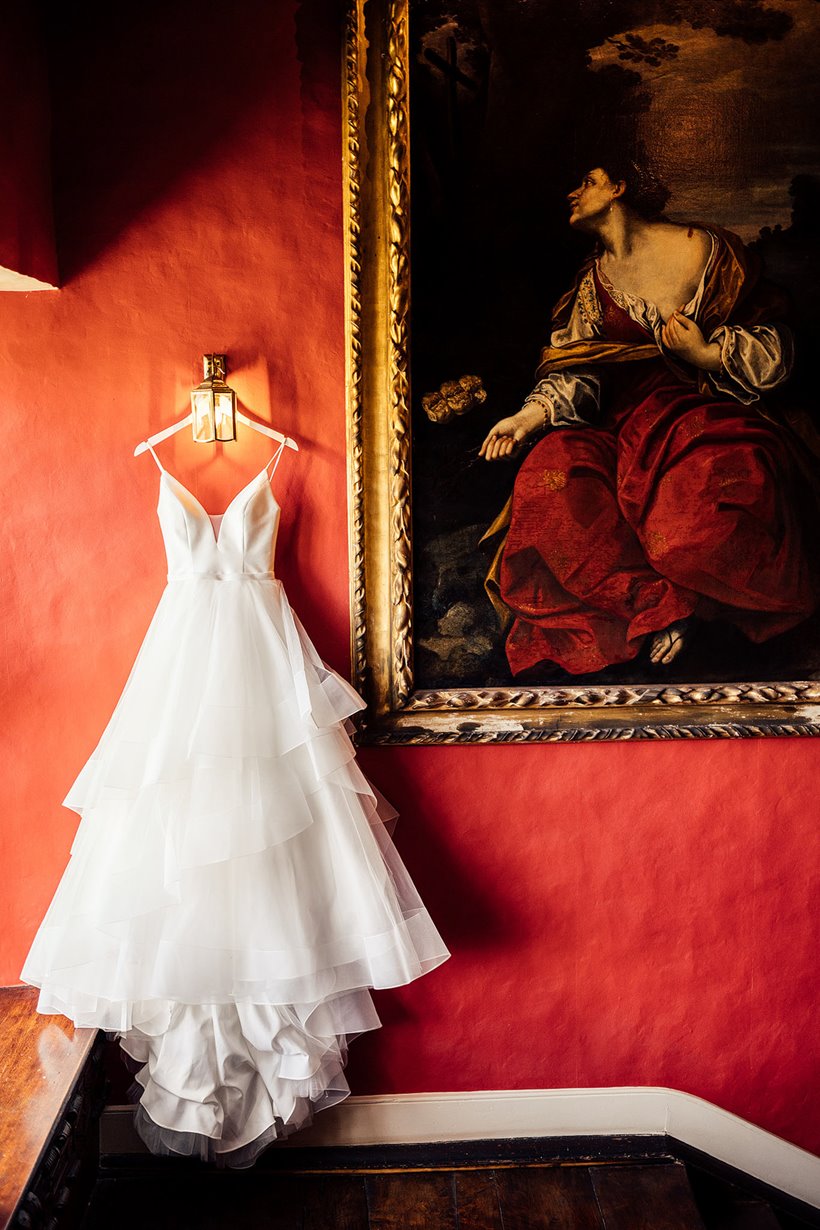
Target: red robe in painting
677, 502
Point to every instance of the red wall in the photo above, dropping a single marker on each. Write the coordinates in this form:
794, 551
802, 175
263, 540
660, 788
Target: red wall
618, 914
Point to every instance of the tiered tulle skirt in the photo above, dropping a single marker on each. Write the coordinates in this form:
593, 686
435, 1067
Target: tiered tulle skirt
232, 891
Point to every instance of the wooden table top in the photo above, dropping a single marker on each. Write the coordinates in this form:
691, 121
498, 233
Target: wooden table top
40, 1059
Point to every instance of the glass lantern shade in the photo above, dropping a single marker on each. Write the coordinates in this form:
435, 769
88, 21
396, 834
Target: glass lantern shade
213, 403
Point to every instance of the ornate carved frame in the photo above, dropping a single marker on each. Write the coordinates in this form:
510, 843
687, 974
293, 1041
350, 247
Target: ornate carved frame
377, 231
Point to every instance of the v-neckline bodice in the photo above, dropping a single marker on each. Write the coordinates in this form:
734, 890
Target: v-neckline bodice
222, 517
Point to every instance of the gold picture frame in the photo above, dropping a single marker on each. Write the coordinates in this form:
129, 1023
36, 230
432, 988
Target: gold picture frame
376, 120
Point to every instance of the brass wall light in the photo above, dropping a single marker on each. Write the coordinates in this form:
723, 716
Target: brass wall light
213, 403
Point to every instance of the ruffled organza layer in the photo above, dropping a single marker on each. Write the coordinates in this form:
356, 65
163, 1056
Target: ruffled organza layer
224, 1081
232, 890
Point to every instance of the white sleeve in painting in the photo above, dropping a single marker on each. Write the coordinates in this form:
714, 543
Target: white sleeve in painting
572, 397
567, 397
752, 361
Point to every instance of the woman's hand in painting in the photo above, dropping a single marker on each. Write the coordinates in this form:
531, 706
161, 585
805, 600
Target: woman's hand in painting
684, 339
509, 434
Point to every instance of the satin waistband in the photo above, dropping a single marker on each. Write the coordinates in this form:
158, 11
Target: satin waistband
220, 576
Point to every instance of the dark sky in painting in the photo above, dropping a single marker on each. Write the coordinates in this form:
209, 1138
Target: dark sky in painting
731, 119
722, 93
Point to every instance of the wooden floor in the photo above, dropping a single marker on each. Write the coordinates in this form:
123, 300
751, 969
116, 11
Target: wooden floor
656, 1196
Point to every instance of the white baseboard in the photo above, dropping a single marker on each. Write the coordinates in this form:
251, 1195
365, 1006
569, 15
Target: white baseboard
422, 1118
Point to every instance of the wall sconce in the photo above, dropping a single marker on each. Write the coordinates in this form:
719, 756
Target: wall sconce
213, 403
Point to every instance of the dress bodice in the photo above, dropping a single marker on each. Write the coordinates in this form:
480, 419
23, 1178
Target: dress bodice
616, 323
239, 543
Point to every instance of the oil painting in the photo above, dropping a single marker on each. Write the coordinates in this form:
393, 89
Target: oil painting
602, 288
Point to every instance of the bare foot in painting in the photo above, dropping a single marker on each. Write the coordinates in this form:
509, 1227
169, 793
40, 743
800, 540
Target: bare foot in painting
665, 646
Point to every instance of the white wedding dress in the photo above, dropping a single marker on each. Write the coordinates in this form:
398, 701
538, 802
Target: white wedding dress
232, 893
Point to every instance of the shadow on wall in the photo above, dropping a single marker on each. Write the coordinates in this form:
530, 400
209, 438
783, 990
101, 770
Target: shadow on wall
156, 118
468, 918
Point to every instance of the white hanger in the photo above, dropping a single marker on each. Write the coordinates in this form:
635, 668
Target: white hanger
189, 418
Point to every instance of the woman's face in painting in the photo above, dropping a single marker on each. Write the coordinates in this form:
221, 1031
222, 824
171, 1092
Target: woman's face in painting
592, 200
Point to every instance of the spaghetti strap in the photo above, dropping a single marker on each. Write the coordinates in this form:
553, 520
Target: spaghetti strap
274, 461
150, 448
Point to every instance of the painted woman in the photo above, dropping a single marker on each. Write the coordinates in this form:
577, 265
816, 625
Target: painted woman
661, 491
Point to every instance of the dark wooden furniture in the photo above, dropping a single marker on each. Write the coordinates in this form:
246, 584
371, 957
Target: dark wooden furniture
51, 1088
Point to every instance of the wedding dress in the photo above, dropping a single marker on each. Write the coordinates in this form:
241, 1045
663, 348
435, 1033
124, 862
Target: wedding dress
232, 892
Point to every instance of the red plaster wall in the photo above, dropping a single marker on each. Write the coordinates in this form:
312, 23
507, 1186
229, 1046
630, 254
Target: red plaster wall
26, 225
618, 914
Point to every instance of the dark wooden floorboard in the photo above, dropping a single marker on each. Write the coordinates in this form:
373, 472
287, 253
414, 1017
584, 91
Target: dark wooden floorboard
335, 1203
547, 1198
535, 1197
207, 1202
745, 1215
645, 1197
477, 1203
411, 1201
274, 1206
